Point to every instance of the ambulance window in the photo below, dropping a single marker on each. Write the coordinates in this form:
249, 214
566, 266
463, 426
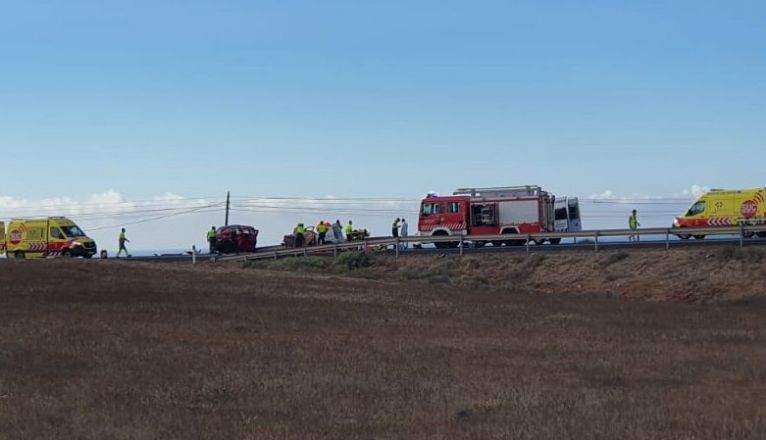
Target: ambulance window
73, 231
57, 234
454, 207
560, 214
697, 208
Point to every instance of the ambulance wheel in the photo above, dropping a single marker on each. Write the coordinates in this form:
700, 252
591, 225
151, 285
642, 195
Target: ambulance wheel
19, 255
699, 237
748, 234
684, 236
555, 240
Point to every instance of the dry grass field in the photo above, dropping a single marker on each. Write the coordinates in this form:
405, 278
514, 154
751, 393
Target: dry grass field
127, 350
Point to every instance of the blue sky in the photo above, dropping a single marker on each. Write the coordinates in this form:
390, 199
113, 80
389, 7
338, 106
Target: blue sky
379, 98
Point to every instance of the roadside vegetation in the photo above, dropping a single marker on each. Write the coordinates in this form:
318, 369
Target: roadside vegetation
686, 275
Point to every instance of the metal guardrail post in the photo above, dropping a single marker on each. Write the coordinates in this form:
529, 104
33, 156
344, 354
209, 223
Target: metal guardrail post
741, 236
276, 255
305, 252
667, 240
396, 247
595, 241
529, 238
462, 243
335, 252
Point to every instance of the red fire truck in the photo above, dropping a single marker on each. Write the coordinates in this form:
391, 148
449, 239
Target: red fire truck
508, 211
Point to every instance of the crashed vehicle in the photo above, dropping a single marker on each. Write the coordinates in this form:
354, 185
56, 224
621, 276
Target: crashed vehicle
236, 238
311, 237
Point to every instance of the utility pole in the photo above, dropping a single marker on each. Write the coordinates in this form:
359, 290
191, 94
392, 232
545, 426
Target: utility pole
228, 199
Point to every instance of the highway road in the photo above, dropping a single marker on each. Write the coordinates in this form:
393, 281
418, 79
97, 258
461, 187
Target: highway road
582, 245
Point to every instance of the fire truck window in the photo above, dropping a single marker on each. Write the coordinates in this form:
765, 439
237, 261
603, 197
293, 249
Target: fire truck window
57, 234
697, 208
454, 207
428, 208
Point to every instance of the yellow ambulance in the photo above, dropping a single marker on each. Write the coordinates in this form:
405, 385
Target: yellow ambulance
725, 207
46, 237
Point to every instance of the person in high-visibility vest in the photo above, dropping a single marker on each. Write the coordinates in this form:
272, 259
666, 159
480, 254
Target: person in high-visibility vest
299, 232
322, 230
122, 240
349, 230
212, 239
633, 224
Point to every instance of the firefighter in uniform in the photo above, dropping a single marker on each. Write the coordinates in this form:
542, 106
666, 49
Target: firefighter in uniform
633, 224
349, 230
212, 239
395, 228
122, 240
299, 232
322, 230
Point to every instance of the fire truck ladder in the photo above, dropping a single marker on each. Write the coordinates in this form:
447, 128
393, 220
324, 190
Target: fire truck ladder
502, 191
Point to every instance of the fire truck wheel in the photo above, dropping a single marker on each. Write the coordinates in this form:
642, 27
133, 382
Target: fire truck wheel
19, 255
66, 253
497, 243
479, 244
555, 240
539, 241
762, 234
699, 237
684, 236
513, 242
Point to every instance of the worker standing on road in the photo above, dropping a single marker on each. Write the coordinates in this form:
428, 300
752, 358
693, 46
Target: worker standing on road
349, 230
337, 231
122, 240
395, 228
322, 230
404, 232
299, 232
212, 239
633, 224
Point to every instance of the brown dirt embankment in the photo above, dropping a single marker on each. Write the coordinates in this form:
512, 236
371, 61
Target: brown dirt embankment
685, 275
119, 350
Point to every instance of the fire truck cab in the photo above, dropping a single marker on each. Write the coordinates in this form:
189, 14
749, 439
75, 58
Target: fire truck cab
513, 210
567, 213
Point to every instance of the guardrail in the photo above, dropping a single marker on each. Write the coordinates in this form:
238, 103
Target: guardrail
460, 241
